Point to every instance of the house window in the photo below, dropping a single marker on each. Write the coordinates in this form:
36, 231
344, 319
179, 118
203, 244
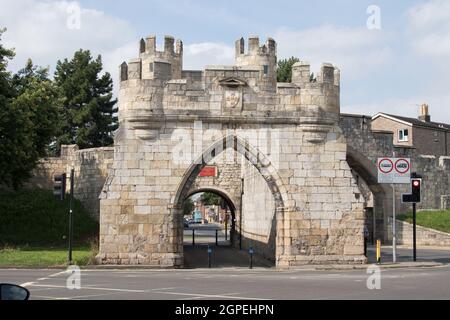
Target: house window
403, 135
151, 67
266, 70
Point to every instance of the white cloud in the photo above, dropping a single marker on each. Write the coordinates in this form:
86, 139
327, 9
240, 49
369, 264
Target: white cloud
198, 55
429, 28
38, 29
356, 51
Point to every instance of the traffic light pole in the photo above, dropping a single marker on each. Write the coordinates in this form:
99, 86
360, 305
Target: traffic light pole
394, 231
414, 233
71, 216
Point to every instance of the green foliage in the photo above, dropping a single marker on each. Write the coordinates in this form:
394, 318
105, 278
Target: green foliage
209, 199
88, 117
6, 90
284, 71
35, 217
188, 206
438, 220
28, 119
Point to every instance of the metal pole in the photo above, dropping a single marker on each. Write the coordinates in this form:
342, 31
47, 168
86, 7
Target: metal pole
414, 233
251, 257
374, 235
226, 227
72, 178
217, 237
394, 231
240, 215
193, 237
209, 256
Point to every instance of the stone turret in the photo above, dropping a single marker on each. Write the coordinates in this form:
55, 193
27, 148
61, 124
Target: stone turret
320, 96
264, 57
154, 64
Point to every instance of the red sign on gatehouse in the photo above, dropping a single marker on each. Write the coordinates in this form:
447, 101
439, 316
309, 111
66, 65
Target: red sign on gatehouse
208, 171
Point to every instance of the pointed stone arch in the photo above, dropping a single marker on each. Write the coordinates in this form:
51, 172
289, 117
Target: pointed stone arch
261, 162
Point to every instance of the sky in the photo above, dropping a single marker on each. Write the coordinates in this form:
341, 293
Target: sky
392, 58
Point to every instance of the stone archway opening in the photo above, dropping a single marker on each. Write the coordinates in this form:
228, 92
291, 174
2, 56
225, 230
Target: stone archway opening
254, 212
378, 196
210, 209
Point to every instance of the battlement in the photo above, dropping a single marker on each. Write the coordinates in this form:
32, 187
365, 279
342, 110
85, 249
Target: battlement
269, 48
155, 83
148, 46
302, 77
153, 64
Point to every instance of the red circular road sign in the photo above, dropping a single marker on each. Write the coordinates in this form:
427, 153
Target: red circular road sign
402, 166
386, 165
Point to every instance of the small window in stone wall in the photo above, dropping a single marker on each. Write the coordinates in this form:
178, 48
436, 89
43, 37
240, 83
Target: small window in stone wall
266, 70
403, 135
151, 67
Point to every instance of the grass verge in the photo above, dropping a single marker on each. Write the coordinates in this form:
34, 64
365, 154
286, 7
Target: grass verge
438, 220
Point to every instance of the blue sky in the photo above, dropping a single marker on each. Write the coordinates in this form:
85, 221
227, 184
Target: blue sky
393, 69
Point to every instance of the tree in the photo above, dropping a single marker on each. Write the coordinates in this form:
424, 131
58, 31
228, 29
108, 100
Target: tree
284, 71
88, 116
28, 117
209, 199
188, 206
6, 90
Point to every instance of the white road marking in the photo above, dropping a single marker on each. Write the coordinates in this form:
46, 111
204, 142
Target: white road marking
26, 284
102, 289
200, 295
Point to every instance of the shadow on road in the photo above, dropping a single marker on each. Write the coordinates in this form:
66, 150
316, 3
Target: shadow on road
221, 257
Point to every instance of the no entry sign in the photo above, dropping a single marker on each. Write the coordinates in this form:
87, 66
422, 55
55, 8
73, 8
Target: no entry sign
394, 170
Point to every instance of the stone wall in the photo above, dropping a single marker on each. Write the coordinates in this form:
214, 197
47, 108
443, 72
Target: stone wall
425, 236
258, 227
91, 170
366, 145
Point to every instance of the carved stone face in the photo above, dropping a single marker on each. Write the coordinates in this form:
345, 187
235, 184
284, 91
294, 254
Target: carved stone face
232, 98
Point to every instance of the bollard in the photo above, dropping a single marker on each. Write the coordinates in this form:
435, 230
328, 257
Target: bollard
250, 251
193, 237
209, 256
217, 237
226, 230
378, 251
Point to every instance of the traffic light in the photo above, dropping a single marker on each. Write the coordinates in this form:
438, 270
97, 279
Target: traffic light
415, 189
59, 186
414, 196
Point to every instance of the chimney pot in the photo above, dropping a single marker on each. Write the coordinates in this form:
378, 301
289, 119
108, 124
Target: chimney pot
424, 113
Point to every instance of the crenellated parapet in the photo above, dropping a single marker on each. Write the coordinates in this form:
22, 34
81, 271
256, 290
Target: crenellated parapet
154, 87
154, 64
262, 56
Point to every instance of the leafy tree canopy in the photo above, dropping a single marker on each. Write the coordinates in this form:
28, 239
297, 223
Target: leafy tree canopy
284, 71
88, 117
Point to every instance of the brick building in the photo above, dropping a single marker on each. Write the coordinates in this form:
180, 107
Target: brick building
427, 137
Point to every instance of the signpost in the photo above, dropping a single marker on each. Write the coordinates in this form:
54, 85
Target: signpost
394, 171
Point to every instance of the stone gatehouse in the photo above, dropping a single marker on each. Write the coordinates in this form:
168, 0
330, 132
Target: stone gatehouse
300, 201
299, 176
